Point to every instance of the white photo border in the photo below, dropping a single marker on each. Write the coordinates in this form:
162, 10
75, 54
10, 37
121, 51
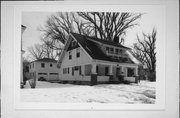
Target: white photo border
160, 45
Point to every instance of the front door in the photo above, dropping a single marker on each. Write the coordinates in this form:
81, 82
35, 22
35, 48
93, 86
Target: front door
76, 73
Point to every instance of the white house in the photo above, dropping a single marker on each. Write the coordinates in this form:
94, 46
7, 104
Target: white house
44, 69
89, 60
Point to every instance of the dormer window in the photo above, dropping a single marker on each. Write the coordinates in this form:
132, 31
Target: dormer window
107, 49
111, 50
120, 51
74, 43
117, 50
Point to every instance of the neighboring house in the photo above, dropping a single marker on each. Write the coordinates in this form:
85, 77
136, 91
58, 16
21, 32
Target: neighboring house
44, 69
22, 52
91, 60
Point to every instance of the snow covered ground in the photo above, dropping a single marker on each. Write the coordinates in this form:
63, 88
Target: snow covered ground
143, 93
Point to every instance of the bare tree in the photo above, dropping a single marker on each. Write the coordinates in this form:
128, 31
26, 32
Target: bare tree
36, 52
59, 25
104, 25
50, 49
109, 25
145, 51
43, 51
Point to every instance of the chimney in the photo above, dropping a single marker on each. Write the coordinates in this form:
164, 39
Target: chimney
116, 39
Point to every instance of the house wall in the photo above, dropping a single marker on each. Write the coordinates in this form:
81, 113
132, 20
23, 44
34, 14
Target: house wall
47, 69
85, 73
130, 79
103, 78
83, 60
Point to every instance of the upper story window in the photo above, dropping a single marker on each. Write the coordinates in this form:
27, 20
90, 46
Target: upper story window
78, 52
42, 65
111, 50
70, 55
117, 51
107, 49
51, 65
73, 43
120, 51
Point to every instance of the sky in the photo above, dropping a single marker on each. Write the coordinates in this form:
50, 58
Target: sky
32, 20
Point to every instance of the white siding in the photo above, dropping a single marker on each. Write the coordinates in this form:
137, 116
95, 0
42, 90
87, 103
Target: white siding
103, 78
47, 69
130, 79
83, 60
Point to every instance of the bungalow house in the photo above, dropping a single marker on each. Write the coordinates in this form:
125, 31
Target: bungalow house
89, 60
44, 69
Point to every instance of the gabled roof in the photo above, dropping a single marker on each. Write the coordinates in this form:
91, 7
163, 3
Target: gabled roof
94, 49
45, 60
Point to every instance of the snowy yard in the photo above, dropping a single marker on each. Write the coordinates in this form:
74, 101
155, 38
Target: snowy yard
143, 93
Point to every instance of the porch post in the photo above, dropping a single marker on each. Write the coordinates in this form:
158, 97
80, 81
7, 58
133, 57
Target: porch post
136, 75
93, 70
136, 71
83, 69
111, 70
93, 75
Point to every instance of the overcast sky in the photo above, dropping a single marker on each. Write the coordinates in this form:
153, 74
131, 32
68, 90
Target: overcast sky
32, 20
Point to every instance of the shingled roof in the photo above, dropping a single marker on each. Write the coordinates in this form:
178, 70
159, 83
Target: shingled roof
94, 50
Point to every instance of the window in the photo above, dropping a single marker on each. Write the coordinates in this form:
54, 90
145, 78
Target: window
87, 69
79, 70
120, 51
73, 71
78, 52
42, 65
51, 65
76, 68
97, 69
112, 50
65, 70
107, 49
70, 55
117, 51
73, 43
53, 73
42, 73
130, 72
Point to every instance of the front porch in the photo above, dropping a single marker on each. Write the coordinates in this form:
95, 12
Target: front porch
113, 73
96, 73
